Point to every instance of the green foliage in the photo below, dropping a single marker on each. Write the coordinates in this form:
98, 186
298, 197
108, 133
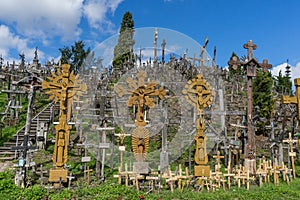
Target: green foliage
284, 84
123, 51
74, 56
232, 72
263, 98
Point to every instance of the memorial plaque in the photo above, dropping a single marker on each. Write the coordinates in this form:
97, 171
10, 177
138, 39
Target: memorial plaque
55, 174
202, 170
122, 148
86, 159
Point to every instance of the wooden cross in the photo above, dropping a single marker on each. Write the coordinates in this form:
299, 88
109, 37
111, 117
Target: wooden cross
292, 154
250, 46
70, 177
62, 87
24, 148
265, 65
234, 62
141, 94
229, 175
218, 158
88, 174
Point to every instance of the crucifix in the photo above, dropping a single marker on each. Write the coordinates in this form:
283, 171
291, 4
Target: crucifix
292, 154
250, 66
142, 96
62, 87
198, 93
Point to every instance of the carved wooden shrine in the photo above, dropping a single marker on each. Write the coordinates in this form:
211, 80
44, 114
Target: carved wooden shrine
199, 94
141, 96
62, 87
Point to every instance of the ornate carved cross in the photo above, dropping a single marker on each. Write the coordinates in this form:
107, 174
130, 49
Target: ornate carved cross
62, 86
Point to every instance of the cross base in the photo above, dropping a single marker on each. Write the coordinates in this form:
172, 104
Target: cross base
56, 174
202, 170
250, 164
141, 167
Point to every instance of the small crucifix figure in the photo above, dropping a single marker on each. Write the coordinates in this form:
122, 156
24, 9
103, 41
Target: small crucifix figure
142, 96
292, 154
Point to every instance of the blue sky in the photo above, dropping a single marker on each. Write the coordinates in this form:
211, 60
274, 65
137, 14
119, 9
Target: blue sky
52, 24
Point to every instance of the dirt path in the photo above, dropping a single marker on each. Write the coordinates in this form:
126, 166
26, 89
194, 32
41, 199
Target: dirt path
5, 165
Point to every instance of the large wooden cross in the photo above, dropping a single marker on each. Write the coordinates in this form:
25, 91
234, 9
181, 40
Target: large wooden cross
62, 87
198, 93
141, 95
250, 46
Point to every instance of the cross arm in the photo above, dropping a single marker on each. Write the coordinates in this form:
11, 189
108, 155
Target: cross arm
289, 99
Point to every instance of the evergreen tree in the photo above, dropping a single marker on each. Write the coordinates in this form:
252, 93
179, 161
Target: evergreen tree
74, 56
284, 84
263, 98
124, 49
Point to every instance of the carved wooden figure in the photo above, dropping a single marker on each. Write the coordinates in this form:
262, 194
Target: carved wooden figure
62, 87
198, 93
142, 96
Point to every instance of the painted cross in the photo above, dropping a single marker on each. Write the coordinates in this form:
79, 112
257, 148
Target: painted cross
70, 177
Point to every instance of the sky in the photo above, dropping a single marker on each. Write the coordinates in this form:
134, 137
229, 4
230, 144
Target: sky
274, 26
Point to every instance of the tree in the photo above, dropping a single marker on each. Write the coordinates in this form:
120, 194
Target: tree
263, 98
284, 84
123, 51
74, 56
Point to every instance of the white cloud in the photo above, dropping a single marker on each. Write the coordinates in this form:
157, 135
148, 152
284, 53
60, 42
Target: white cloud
95, 11
43, 19
10, 41
295, 70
